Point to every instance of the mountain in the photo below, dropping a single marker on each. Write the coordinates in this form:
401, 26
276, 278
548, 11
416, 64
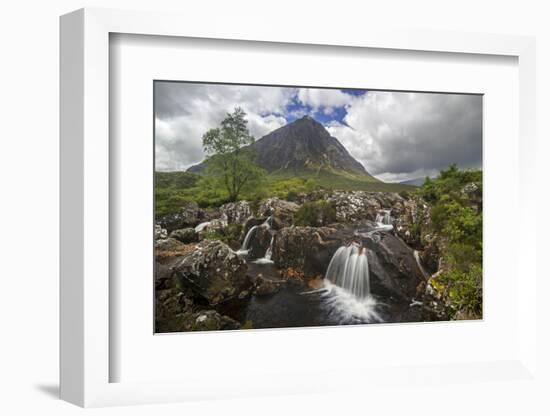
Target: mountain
301, 148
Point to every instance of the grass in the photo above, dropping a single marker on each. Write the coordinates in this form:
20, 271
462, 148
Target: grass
172, 189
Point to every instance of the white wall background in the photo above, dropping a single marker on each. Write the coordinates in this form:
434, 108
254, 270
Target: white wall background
29, 115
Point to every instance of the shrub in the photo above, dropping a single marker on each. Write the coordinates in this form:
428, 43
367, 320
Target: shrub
315, 214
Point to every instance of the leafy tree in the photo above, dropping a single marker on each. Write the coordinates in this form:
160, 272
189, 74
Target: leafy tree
231, 159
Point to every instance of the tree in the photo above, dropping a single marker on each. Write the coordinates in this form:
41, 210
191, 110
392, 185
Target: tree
231, 157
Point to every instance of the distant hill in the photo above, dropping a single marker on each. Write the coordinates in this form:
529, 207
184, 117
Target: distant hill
414, 182
304, 148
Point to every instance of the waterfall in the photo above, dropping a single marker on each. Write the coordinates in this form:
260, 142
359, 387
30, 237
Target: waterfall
266, 259
425, 274
248, 238
349, 269
383, 220
202, 226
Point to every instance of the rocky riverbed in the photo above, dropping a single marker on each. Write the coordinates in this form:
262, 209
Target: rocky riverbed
246, 265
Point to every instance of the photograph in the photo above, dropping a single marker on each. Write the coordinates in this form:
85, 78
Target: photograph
302, 206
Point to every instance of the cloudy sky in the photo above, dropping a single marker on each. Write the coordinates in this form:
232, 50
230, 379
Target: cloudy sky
395, 135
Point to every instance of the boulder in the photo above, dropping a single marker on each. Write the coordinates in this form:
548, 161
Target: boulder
235, 212
185, 235
355, 206
308, 249
281, 212
213, 271
260, 242
411, 221
393, 270
160, 233
189, 215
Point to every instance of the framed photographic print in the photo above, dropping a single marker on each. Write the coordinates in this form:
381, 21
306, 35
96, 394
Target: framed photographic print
273, 214
352, 206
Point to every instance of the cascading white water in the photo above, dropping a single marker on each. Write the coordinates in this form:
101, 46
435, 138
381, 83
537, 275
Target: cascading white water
266, 259
248, 238
349, 269
202, 226
383, 220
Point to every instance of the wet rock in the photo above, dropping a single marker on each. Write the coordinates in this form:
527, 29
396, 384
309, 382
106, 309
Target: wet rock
266, 287
308, 249
411, 221
160, 233
281, 211
214, 271
235, 212
260, 242
185, 235
393, 270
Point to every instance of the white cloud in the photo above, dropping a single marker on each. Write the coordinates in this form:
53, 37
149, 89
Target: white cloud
396, 136
184, 112
323, 98
412, 133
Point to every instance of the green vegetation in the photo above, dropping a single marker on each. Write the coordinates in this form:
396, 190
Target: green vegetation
315, 214
231, 162
173, 188
456, 213
229, 234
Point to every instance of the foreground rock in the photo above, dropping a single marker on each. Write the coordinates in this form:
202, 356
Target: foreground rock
213, 271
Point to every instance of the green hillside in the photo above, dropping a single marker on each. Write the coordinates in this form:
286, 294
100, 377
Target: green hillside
173, 188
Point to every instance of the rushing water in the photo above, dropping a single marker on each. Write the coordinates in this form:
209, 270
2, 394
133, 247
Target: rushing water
349, 269
245, 247
199, 228
266, 259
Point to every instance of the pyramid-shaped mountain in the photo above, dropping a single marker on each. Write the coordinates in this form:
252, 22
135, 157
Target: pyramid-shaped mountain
300, 147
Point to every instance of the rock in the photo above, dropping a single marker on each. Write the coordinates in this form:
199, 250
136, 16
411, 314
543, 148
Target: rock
189, 215
354, 206
214, 225
160, 233
170, 304
208, 321
235, 212
260, 242
266, 287
393, 270
185, 235
308, 249
473, 192
281, 211
411, 221
213, 271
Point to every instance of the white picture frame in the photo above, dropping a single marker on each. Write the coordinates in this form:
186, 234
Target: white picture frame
85, 211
